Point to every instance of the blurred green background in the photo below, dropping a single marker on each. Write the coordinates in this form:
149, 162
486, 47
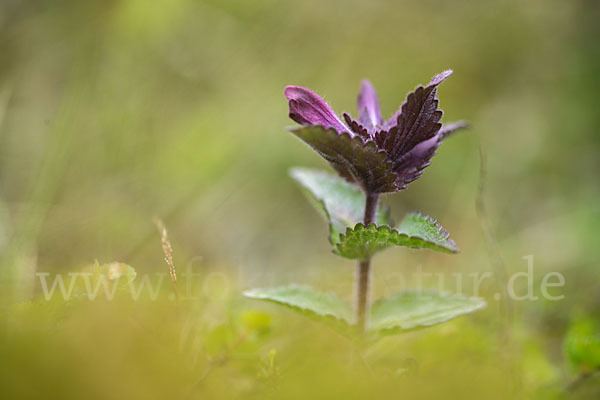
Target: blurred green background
116, 112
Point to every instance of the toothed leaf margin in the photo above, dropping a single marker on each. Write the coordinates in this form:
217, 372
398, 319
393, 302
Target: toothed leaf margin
416, 231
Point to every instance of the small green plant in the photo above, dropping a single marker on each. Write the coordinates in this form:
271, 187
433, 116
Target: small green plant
371, 157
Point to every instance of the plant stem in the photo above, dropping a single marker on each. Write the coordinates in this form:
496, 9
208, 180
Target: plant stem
370, 208
363, 270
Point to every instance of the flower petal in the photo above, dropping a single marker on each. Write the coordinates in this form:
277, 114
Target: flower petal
308, 108
356, 160
369, 113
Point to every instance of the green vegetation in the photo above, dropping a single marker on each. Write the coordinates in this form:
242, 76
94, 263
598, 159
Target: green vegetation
113, 113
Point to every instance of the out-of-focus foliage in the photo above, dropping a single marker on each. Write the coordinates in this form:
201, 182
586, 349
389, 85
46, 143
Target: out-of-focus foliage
582, 346
114, 112
321, 306
413, 309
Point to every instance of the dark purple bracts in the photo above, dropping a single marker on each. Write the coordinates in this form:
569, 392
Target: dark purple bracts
380, 156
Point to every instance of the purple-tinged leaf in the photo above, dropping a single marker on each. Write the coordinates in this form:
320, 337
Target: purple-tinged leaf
367, 151
418, 121
358, 161
413, 141
393, 121
411, 165
356, 127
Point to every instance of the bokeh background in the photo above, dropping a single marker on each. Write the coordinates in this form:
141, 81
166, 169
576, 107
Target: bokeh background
115, 112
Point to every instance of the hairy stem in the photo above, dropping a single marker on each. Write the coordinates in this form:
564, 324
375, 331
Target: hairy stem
363, 270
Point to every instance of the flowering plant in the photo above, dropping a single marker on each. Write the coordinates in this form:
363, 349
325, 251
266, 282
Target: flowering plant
371, 157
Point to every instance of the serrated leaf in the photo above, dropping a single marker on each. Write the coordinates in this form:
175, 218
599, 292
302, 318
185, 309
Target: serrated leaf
379, 156
417, 121
358, 161
361, 242
341, 203
321, 306
412, 309
417, 225
415, 231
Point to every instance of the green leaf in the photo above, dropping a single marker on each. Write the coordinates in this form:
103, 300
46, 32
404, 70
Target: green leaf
582, 346
412, 310
433, 236
416, 231
320, 306
358, 161
341, 203
361, 242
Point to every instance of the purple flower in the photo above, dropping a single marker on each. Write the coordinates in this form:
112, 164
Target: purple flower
380, 156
